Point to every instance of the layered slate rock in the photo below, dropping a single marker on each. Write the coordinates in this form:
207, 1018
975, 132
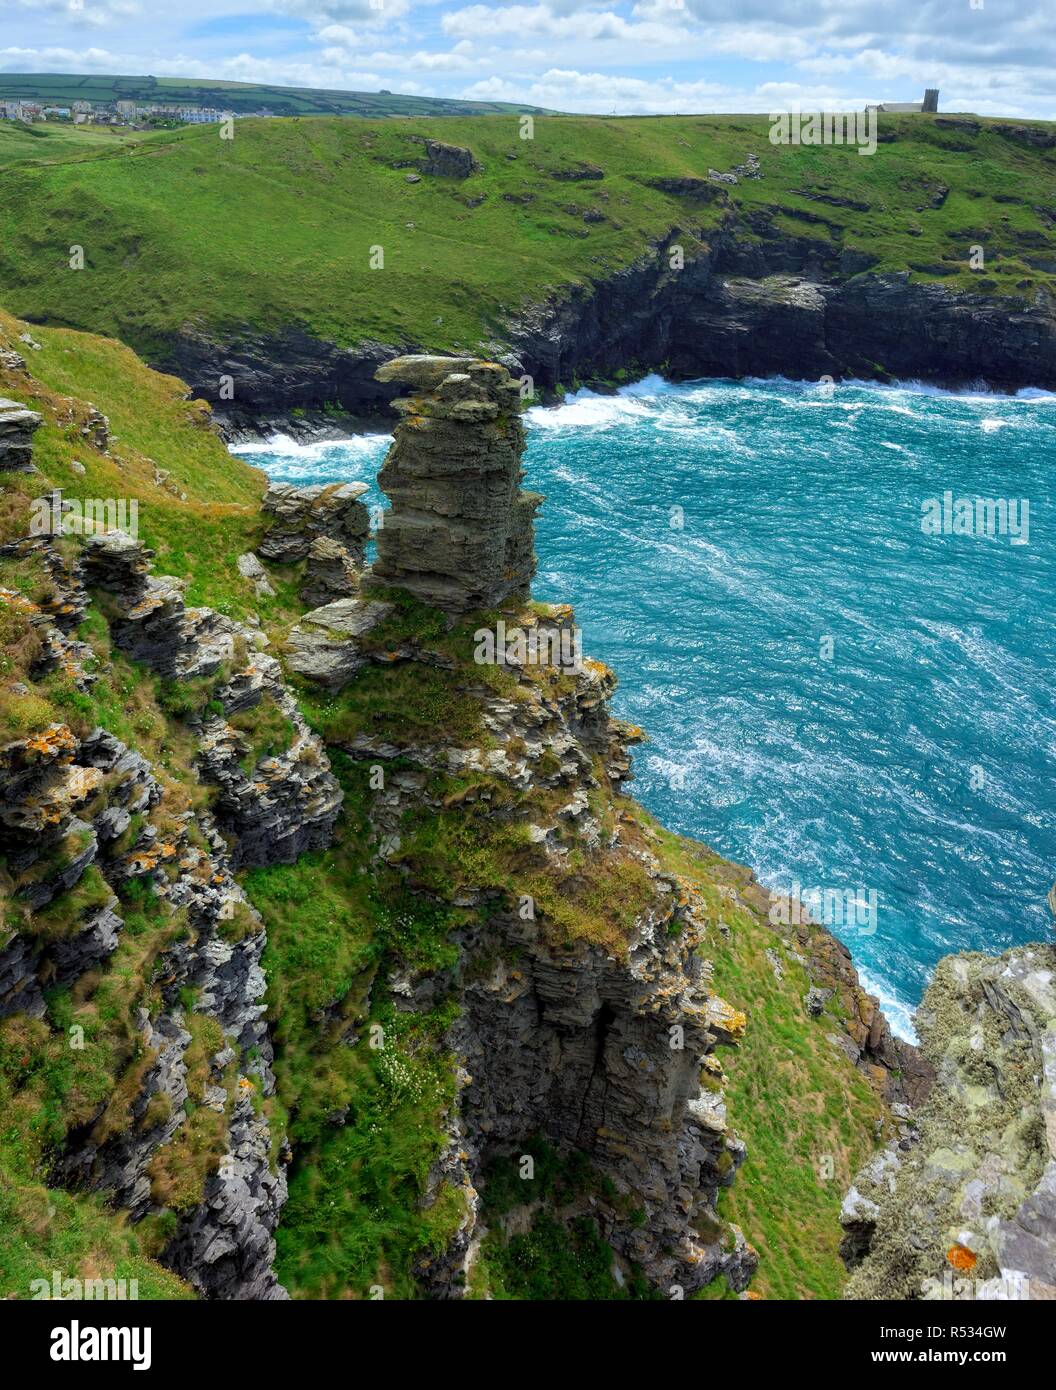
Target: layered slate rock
326, 527
324, 646
286, 804
460, 532
969, 1210
155, 625
301, 515
571, 1039
330, 573
18, 424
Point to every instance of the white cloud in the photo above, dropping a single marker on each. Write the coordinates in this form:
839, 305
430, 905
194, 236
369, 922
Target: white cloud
638, 55
519, 21
93, 13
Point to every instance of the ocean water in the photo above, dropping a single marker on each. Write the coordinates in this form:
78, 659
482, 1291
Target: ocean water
835, 695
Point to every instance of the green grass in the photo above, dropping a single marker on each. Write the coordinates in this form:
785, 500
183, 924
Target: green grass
365, 1120
807, 1116
80, 1066
314, 195
20, 142
568, 1259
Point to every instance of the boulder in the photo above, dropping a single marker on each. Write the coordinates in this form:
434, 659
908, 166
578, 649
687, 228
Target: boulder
448, 161
323, 646
329, 573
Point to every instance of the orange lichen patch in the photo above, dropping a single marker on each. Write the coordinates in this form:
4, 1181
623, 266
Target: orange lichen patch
725, 1017
754, 1297
52, 742
960, 1257
18, 602
244, 1083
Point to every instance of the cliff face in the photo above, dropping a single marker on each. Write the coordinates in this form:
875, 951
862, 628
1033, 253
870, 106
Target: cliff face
124, 901
750, 300
587, 1008
967, 1207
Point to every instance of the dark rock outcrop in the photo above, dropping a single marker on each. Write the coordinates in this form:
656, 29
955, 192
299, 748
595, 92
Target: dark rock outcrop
48, 782
287, 804
605, 1051
155, 625
330, 573
459, 534
448, 161
17, 427
703, 320
226, 1248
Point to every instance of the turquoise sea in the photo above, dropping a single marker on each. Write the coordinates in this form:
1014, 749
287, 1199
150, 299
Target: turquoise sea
845, 664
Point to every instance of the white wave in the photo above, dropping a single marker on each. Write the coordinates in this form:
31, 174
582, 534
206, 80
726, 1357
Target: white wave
588, 410
289, 448
978, 390
651, 385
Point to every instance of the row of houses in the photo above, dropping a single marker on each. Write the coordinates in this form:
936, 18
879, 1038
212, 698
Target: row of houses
130, 113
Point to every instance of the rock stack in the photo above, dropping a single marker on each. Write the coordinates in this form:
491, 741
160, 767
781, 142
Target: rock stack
301, 515
460, 531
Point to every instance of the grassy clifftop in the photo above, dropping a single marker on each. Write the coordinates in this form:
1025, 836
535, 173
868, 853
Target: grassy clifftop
316, 197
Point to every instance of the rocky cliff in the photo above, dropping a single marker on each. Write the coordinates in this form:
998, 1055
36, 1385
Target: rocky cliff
748, 300
586, 1006
333, 947
122, 901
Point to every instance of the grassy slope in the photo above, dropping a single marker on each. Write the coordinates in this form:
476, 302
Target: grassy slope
27, 143
354, 1216
60, 89
45, 1087
787, 1195
313, 196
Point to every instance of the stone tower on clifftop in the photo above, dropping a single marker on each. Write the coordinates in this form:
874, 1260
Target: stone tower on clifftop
460, 531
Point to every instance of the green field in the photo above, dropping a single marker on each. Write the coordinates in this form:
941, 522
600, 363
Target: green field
277, 226
59, 89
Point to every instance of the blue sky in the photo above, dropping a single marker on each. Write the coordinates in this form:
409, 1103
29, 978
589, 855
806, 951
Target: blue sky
990, 56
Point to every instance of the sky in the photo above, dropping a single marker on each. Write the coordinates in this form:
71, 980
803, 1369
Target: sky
995, 57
